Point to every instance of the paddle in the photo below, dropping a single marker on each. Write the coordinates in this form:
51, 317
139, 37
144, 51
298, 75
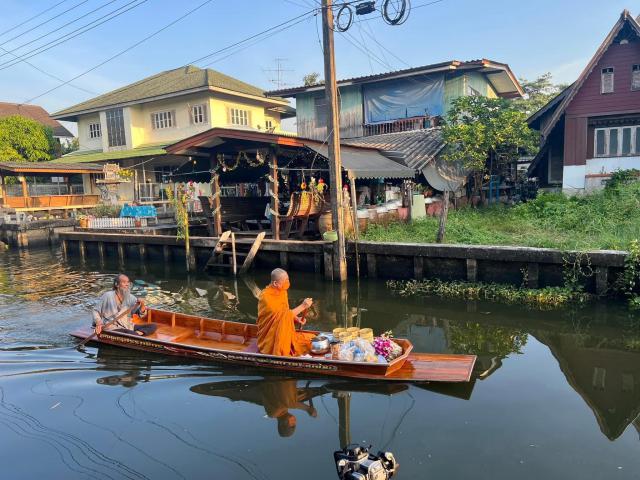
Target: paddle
117, 316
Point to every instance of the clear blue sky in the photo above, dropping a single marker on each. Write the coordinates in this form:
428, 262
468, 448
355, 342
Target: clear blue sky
532, 37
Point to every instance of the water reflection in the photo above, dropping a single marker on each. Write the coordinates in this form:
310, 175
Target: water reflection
540, 377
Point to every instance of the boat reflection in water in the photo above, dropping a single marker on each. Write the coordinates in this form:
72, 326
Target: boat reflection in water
280, 395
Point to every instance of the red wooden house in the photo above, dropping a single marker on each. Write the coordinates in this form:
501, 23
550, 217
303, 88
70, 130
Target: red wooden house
592, 128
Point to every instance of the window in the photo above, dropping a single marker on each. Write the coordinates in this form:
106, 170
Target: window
472, 92
635, 77
115, 127
95, 131
268, 124
606, 80
239, 117
198, 114
160, 120
320, 110
617, 141
599, 376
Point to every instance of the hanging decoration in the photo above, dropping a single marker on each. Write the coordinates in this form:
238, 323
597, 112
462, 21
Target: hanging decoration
225, 166
261, 157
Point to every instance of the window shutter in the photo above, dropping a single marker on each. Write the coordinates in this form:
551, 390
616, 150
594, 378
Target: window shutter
191, 107
635, 78
607, 80
174, 119
228, 116
153, 124
249, 123
205, 112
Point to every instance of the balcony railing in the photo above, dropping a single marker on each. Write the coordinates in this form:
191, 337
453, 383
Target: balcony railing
400, 125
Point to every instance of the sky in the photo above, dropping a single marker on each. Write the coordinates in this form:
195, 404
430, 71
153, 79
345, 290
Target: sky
532, 37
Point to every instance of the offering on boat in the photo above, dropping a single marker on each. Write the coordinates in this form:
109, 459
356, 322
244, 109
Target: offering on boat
337, 331
386, 347
358, 350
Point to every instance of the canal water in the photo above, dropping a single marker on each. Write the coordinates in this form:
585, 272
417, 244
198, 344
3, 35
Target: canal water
555, 394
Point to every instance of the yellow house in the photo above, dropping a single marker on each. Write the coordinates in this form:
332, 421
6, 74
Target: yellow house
132, 125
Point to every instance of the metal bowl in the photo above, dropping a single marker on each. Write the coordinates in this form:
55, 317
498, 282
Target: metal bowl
320, 345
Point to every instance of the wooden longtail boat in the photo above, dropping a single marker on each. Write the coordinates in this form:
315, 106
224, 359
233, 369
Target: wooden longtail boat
236, 343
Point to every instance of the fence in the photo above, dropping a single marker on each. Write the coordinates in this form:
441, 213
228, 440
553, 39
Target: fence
124, 222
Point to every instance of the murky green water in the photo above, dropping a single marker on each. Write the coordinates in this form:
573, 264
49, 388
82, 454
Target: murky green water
555, 395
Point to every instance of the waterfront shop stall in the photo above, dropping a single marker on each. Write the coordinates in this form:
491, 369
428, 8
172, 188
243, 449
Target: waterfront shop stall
47, 186
280, 183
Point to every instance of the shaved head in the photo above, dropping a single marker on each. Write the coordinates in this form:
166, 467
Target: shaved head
280, 279
278, 275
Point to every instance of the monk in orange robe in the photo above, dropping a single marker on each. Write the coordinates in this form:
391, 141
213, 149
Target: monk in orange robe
277, 333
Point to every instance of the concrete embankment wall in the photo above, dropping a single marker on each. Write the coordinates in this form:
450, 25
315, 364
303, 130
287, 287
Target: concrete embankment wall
534, 267
36, 233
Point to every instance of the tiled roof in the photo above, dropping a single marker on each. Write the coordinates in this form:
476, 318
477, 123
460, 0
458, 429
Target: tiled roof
36, 113
100, 156
414, 148
165, 83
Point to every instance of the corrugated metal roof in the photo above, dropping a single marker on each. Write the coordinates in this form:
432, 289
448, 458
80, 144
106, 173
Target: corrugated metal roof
451, 65
165, 83
100, 156
50, 167
415, 148
366, 163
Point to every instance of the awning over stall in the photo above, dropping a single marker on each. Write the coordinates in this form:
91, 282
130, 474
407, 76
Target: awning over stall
366, 162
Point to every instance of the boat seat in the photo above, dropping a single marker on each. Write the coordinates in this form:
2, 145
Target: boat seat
167, 333
219, 337
252, 346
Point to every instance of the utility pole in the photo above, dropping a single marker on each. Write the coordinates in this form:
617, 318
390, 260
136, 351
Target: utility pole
333, 129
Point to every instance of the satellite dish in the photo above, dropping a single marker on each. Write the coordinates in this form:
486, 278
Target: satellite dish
443, 175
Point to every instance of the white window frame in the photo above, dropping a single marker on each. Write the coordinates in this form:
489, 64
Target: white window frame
239, 117
604, 72
199, 114
95, 130
163, 120
635, 77
635, 148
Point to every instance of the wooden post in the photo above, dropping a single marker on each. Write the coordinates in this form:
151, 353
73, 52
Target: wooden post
142, 248
101, 253
418, 268
372, 270
83, 250
356, 227
25, 190
64, 247
333, 130
121, 253
3, 191
533, 275
328, 260
443, 218
284, 260
275, 217
217, 210
166, 252
472, 270
602, 280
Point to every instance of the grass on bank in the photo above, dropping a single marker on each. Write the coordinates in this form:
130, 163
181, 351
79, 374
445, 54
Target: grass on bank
607, 219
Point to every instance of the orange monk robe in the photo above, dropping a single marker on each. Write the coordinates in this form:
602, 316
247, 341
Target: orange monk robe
277, 334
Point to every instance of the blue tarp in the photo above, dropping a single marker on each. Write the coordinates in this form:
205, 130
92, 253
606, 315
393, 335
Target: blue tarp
139, 211
403, 98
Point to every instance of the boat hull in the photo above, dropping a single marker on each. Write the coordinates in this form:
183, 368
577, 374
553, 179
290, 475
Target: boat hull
416, 368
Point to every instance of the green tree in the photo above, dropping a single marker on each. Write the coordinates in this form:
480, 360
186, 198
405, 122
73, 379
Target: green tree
311, 79
25, 140
538, 93
479, 128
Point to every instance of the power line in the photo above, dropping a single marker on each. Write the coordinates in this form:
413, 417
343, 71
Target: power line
122, 52
46, 21
50, 75
61, 40
59, 28
32, 18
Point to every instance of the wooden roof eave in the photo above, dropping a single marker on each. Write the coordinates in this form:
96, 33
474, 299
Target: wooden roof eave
625, 16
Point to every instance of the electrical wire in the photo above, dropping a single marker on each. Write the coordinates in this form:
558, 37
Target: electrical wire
60, 40
122, 52
32, 18
45, 22
58, 28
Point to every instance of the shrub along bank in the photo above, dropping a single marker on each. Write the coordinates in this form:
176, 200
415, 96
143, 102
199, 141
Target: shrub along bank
607, 219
